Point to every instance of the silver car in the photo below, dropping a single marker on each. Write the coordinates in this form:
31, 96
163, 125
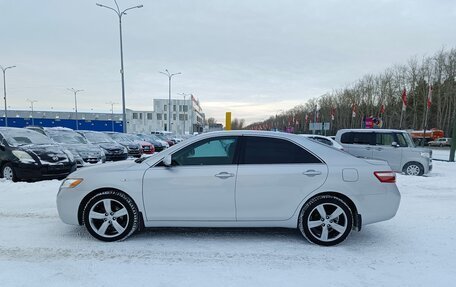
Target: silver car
394, 146
233, 179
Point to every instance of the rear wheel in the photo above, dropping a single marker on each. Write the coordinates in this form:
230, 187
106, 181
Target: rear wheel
414, 168
8, 172
325, 220
111, 216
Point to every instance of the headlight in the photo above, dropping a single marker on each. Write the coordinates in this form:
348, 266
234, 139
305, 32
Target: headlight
23, 156
71, 182
425, 154
125, 150
69, 154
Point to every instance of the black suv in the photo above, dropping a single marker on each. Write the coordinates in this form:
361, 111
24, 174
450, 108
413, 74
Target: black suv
29, 155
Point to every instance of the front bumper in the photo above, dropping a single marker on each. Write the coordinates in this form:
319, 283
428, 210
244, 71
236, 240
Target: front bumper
36, 171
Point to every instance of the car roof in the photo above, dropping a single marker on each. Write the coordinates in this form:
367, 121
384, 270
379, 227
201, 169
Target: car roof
371, 130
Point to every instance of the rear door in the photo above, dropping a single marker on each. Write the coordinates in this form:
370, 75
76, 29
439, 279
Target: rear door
361, 144
274, 176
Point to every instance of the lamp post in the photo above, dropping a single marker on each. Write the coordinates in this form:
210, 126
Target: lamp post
112, 113
31, 106
75, 92
120, 14
170, 76
4, 91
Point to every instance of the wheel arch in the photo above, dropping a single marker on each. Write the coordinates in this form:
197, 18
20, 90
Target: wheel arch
357, 221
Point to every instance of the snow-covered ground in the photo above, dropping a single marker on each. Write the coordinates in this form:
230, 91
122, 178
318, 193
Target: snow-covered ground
416, 248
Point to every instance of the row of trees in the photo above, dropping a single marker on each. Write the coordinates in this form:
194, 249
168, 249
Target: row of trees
380, 96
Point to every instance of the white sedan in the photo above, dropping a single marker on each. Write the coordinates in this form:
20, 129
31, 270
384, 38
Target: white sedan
233, 179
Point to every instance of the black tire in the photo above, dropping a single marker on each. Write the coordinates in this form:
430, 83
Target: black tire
118, 200
315, 234
413, 168
12, 175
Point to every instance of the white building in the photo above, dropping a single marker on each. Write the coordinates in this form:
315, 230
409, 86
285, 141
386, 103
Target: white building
187, 117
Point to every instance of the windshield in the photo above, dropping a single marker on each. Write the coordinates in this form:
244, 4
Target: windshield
133, 137
98, 138
18, 137
67, 137
120, 137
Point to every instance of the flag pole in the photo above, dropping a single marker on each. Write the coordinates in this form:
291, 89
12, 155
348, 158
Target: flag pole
428, 98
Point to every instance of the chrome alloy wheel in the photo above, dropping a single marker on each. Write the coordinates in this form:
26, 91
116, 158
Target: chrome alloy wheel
108, 218
413, 169
327, 222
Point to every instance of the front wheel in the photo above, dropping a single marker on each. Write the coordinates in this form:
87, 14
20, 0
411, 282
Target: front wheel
414, 168
111, 216
325, 220
8, 172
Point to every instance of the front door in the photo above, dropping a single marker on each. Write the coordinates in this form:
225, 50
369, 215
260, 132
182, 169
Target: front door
385, 151
199, 185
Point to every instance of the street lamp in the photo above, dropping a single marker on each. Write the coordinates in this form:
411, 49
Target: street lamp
120, 14
31, 106
169, 75
112, 113
4, 91
75, 92
183, 107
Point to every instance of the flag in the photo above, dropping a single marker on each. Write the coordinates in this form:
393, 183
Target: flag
404, 100
354, 111
318, 116
429, 98
333, 113
307, 118
382, 109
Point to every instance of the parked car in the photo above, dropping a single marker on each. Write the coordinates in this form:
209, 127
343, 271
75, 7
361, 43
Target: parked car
134, 149
234, 179
158, 143
147, 147
83, 151
324, 140
441, 142
394, 146
113, 151
28, 155
165, 138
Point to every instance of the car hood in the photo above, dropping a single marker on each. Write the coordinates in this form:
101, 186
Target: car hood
81, 148
111, 167
51, 153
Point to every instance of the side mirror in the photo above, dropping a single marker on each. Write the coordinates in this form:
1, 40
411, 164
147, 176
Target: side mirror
167, 161
394, 144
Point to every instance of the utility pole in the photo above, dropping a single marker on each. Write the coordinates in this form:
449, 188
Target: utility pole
31, 106
75, 92
170, 76
112, 113
453, 138
120, 14
4, 91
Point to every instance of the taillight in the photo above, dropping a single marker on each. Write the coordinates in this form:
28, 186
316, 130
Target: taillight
386, 176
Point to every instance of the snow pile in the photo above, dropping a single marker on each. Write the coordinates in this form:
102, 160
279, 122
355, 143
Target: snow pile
416, 248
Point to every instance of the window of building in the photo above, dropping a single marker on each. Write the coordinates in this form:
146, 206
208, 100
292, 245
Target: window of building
159, 117
140, 116
185, 108
149, 116
181, 117
174, 117
186, 117
174, 108
165, 107
260, 150
135, 116
165, 117
180, 108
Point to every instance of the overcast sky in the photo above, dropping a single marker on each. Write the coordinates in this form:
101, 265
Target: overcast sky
251, 57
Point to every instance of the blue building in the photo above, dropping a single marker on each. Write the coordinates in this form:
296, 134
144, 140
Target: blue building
86, 121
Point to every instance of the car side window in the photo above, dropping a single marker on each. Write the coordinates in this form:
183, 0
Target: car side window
262, 150
218, 151
347, 138
364, 138
401, 140
385, 139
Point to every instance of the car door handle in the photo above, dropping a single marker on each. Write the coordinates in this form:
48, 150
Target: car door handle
311, 172
224, 175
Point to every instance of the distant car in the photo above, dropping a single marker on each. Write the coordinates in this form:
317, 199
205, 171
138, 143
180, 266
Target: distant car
394, 146
159, 144
113, 151
324, 140
234, 179
441, 142
147, 147
83, 151
28, 155
165, 138
134, 149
